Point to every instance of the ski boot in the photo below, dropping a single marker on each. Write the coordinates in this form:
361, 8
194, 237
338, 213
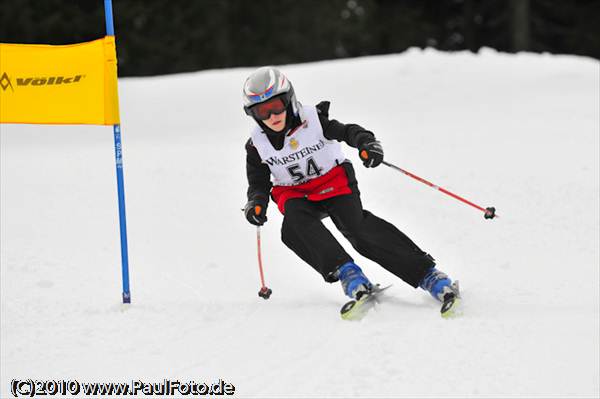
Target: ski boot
354, 283
441, 287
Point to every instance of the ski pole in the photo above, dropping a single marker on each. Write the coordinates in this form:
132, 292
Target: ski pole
489, 212
264, 292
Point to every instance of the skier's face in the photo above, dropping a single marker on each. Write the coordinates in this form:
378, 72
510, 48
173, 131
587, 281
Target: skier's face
276, 122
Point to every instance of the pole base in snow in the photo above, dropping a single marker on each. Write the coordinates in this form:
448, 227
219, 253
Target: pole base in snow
490, 213
126, 297
265, 293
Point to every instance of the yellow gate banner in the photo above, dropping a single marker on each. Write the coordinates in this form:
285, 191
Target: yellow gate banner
70, 84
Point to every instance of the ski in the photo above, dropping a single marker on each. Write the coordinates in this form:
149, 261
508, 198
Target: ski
451, 304
357, 309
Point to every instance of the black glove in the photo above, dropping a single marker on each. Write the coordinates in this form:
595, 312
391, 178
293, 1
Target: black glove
371, 153
256, 212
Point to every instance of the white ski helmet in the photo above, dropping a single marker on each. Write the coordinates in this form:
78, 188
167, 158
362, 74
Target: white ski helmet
266, 83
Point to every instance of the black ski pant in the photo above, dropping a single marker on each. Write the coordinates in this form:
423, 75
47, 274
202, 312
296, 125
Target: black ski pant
374, 238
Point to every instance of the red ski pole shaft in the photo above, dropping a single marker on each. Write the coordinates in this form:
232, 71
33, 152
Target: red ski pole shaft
489, 212
260, 267
264, 292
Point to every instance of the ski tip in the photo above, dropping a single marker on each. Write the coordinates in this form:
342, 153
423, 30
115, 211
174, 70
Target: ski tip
346, 311
451, 308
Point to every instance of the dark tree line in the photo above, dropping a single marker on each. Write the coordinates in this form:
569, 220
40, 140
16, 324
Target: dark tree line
160, 36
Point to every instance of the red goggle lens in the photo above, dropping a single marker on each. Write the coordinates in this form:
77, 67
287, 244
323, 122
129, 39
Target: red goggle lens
263, 111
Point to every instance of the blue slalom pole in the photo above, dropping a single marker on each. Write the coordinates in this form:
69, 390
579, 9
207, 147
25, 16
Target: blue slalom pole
110, 31
110, 28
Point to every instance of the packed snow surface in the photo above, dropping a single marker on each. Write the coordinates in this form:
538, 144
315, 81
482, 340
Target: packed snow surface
518, 132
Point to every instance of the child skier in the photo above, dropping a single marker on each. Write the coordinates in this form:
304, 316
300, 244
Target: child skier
299, 148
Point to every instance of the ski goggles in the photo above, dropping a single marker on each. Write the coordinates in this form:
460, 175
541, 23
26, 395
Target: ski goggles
263, 111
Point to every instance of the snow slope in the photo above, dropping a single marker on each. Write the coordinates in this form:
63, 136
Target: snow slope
519, 132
